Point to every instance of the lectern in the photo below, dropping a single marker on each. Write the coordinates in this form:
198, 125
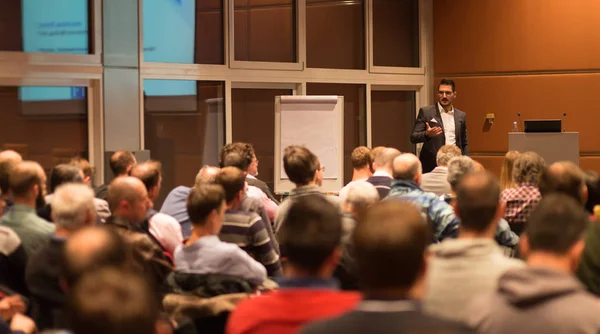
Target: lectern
552, 146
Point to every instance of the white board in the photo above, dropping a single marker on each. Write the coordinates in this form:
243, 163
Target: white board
316, 122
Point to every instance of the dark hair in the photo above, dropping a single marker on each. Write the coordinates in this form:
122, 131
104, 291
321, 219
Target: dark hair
23, 176
149, 172
64, 173
113, 252
556, 224
203, 199
563, 177
593, 185
300, 164
232, 180
82, 163
310, 232
6, 168
244, 149
477, 200
113, 301
120, 161
361, 157
235, 159
389, 245
448, 82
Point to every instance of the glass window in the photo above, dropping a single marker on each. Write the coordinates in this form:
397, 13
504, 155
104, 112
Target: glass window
392, 119
60, 113
183, 31
253, 113
335, 34
183, 128
265, 30
354, 116
57, 26
396, 33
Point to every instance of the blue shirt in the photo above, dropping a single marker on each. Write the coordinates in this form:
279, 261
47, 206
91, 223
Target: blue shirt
175, 206
209, 255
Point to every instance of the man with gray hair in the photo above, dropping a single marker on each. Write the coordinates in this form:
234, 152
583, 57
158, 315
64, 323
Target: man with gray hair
359, 197
523, 199
436, 180
73, 208
382, 175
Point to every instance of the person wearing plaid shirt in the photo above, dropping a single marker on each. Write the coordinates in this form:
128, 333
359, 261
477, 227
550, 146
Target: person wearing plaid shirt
523, 199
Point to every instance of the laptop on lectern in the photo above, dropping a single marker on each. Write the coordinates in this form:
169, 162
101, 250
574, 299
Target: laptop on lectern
542, 125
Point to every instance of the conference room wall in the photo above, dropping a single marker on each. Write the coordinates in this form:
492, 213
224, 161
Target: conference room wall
10, 26
63, 136
534, 57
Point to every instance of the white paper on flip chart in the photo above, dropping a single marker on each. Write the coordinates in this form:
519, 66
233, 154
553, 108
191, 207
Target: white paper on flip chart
315, 126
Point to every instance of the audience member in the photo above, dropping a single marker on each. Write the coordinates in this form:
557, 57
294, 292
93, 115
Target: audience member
392, 232
247, 151
545, 296
436, 181
461, 166
311, 232
254, 199
92, 248
12, 319
506, 173
521, 200
60, 174
304, 170
8, 159
204, 253
460, 269
72, 209
12, 262
360, 196
361, 168
112, 301
566, 178
164, 228
102, 209
120, 164
28, 187
245, 229
382, 176
175, 204
129, 203
406, 186
592, 182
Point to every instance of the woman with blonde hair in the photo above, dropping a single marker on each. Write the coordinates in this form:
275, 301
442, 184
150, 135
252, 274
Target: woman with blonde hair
506, 180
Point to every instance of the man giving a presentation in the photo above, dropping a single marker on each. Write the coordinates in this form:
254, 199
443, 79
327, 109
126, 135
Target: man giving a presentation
440, 124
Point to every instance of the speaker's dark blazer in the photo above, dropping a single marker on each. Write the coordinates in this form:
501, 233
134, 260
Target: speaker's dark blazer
433, 144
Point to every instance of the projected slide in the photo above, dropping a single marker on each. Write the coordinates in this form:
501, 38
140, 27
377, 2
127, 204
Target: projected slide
169, 37
57, 26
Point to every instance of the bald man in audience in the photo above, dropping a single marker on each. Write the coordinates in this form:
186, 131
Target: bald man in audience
129, 203
73, 208
120, 164
28, 187
406, 186
8, 159
382, 176
165, 229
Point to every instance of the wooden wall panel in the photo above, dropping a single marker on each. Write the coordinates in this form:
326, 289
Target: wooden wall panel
535, 97
515, 35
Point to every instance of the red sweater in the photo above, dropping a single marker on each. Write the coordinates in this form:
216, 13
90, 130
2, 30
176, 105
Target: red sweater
287, 310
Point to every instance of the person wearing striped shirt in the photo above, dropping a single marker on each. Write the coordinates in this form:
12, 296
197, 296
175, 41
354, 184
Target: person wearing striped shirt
245, 229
